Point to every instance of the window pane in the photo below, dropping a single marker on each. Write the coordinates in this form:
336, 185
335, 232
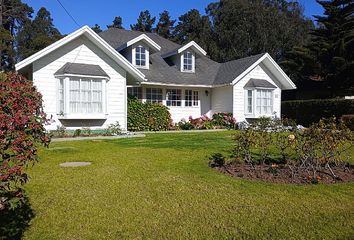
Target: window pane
85, 96
264, 101
140, 56
174, 97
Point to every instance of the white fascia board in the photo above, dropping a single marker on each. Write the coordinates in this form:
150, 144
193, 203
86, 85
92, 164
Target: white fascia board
194, 45
191, 44
176, 85
95, 38
283, 78
80, 75
142, 37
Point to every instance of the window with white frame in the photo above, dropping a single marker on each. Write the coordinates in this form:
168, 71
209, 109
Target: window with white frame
61, 96
85, 95
140, 56
135, 92
249, 107
174, 97
154, 95
264, 101
187, 61
191, 98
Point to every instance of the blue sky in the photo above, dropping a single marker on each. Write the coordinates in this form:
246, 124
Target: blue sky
89, 12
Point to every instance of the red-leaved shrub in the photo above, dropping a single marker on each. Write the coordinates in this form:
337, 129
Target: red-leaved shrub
22, 129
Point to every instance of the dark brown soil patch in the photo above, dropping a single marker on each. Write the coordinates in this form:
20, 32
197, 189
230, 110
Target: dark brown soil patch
281, 173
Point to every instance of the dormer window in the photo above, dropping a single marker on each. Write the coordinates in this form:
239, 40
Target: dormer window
188, 62
140, 56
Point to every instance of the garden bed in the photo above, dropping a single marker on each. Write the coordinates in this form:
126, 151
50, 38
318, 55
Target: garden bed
281, 173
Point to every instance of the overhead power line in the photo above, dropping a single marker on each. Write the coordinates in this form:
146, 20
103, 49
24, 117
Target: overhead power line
67, 12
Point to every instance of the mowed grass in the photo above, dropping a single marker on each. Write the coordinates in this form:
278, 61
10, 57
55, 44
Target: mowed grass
160, 187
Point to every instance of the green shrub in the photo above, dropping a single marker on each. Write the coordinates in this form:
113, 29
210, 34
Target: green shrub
77, 133
113, 129
216, 160
306, 112
147, 116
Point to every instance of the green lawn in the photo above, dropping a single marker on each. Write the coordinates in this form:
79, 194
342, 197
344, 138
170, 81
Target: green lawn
160, 187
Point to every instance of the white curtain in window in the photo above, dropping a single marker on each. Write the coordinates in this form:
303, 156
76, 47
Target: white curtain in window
74, 95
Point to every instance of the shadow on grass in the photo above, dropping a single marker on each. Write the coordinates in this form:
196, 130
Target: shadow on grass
13, 223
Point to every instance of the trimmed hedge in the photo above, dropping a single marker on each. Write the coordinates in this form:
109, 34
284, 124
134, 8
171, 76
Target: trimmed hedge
147, 116
306, 112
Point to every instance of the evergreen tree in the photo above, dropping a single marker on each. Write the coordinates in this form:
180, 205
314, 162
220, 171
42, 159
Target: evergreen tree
165, 25
117, 23
37, 34
13, 14
329, 56
194, 26
144, 23
96, 28
244, 28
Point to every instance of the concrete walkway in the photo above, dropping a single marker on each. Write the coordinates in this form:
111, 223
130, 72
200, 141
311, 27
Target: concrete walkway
67, 139
133, 135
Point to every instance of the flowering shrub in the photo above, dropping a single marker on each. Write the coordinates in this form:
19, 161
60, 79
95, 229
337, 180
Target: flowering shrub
311, 150
224, 119
219, 120
22, 123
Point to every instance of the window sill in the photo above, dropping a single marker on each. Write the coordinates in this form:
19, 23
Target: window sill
83, 116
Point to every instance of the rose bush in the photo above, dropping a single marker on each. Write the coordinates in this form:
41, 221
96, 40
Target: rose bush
22, 123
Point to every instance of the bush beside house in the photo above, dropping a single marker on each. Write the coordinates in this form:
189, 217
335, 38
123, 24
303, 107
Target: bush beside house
147, 116
306, 112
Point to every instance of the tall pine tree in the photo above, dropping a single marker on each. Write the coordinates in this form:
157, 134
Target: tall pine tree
117, 23
13, 14
165, 25
329, 57
37, 34
96, 28
194, 26
144, 23
244, 28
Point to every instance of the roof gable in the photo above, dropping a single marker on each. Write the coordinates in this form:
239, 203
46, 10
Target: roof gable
96, 39
193, 45
153, 45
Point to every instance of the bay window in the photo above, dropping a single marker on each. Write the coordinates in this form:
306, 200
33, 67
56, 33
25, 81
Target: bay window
80, 96
264, 102
154, 95
174, 97
259, 102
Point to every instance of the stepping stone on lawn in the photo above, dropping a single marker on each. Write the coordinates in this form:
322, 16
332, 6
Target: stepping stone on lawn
74, 164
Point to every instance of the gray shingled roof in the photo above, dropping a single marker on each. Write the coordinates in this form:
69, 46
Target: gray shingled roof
254, 83
81, 69
207, 71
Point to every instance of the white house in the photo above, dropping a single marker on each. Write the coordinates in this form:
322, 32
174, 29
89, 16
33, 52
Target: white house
85, 79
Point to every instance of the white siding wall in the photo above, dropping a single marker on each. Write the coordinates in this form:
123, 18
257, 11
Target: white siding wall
81, 50
259, 72
221, 99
